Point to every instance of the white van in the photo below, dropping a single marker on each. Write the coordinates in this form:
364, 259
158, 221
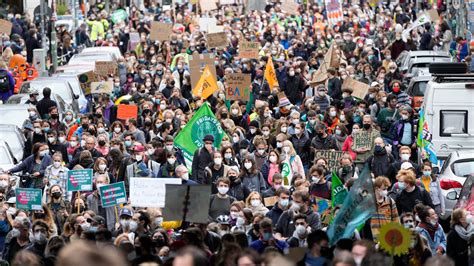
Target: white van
449, 108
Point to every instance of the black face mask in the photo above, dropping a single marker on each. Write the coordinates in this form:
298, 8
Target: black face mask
325, 252
98, 115
224, 115
54, 116
148, 123
367, 126
256, 227
40, 215
85, 126
92, 132
101, 143
56, 194
379, 149
321, 135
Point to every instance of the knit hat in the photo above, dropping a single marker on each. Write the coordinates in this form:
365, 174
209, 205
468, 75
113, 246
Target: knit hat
254, 123
283, 100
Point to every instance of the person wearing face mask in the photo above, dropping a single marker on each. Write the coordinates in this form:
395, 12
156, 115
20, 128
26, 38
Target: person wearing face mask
322, 99
45, 103
322, 140
19, 238
410, 193
36, 164
137, 133
402, 97
182, 172
380, 161
168, 169
459, 238
334, 85
403, 162
301, 143
320, 187
432, 231
282, 201
318, 249
266, 238
387, 116
56, 174
237, 189
55, 146
404, 131
386, 209
294, 87
40, 239
94, 203
255, 203
202, 158
431, 184
58, 206
364, 153
299, 237
142, 165
254, 129
251, 177
56, 124
34, 135
220, 202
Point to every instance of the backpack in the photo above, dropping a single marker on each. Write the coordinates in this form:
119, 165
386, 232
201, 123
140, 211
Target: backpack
4, 81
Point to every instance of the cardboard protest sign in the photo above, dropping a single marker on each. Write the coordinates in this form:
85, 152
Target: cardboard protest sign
226, 2
197, 63
249, 49
190, 203
218, 39
433, 14
331, 59
133, 41
125, 111
79, 180
331, 156
160, 31
5, 26
270, 201
256, 5
105, 87
28, 199
85, 80
238, 87
113, 194
362, 140
105, 68
359, 89
150, 192
206, 85
207, 5
290, 7
206, 23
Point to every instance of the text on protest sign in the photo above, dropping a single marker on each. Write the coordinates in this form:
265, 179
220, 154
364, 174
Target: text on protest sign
332, 157
105, 68
362, 140
105, 87
150, 192
85, 80
28, 198
238, 87
79, 180
113, 194
160, 31
249, 50
217, 39
197, 64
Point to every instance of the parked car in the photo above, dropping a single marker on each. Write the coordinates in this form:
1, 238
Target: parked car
423, 63
456, 169
112, 50
22, 98
417, 87
15, 139
7, 159
90, 58
466, 196
405, 59
57, 85
76, 88
14, 114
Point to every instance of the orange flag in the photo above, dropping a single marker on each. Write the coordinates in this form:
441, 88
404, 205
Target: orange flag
206, 85
270, 74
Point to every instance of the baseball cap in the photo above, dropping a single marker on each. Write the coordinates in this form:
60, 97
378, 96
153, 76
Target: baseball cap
126, 212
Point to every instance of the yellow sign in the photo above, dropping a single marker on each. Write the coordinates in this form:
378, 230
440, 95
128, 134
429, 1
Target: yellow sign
394, 238
206, 85
270, 74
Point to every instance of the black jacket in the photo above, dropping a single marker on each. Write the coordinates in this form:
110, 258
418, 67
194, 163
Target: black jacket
44, 105
302, 147
406, 201
238, 190
274, 214
286, 227
294, 88
379, 163
457, 248
75, 159
202, 158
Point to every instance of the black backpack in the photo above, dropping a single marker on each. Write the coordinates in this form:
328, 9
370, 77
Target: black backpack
4, 81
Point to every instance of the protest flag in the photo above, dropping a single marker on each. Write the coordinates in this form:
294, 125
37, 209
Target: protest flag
201, 124
270, 74
338, 191
206, 85
423, 139
358, 206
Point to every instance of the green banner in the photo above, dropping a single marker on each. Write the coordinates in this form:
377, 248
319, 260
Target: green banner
359, 205
79, 180
119, 15
113, 194
28, 198
338, 191
190, 138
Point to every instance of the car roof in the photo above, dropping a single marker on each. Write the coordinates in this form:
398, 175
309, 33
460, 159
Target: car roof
462, 154
422, 78
428, 53
435, 59
8, 126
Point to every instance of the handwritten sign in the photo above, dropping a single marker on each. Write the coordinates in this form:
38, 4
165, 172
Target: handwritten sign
160, 31
125, 111
218, 39
238, 86
270, 201
28, 198
105, 68
331, 156
105, 87
359, 89
249, 49
362, 140
113, 194
85, 80
290, 7
197, 63
150, 192
5, 26
79, 180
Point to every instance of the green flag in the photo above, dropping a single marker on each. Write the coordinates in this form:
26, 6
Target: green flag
358, 206
338, 191
190, 137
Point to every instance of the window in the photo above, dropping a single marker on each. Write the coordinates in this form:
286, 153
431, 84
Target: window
464, 168
419, 88
453, 122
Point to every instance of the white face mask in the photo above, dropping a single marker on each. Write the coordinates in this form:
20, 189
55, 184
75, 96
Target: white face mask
235, 139
57, 164
295, 121
383, 193
253, 130
273, 159
286, 149
51, 139
117, 130
255, 202
101, 130
169, 147
222, 190
102, 167
266, 133
138, 158
279, 144
62, 139
73, 143
151, 151
283, 129
342, 118
218, 161
333, 113
297, 131
171, 161
248, 165
405, 157
235, 111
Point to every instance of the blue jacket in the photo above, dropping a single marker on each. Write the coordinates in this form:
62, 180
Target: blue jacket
439, 238
5, 95
260, 246
28, 164
4, 229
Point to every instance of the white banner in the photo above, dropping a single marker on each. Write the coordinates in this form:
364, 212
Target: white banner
150, 192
